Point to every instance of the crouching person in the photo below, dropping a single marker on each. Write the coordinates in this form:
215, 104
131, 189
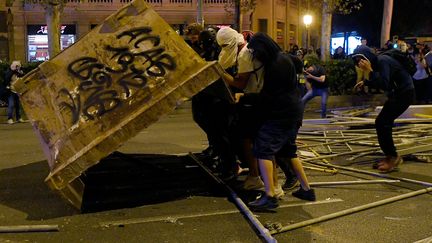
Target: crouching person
389, 75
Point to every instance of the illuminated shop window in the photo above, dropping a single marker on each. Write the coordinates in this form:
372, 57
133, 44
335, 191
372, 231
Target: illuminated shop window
37, 38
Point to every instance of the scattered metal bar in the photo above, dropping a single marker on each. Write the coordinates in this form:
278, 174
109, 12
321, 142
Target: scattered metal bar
174, 218
351, 210
28, 228
337, 183
343, 153
337, 142
264, 233
326, 140
346, 143
333, 171
423, 183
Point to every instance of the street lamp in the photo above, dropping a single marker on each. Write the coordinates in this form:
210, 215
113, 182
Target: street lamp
307, 20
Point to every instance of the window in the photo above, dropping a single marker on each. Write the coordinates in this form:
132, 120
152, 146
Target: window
292, 34
262, 25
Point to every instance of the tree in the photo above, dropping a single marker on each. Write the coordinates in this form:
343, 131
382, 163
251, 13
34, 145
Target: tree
330, 7
53, 11
240, 7
386, 21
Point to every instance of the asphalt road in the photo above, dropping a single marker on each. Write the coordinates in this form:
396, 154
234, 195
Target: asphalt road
196, 209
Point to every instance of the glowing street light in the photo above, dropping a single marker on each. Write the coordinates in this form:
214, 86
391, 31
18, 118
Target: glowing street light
307, 20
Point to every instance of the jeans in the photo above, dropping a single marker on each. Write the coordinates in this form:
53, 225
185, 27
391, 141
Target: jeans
392, 109
323, 92
13, 104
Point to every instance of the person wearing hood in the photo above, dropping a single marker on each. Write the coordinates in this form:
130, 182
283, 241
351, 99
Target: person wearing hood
246, 83
281, 111
213, 111
391, 77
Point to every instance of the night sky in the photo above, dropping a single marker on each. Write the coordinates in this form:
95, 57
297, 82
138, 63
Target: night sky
410, 18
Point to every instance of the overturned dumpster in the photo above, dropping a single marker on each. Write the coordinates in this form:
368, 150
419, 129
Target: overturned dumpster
116, 80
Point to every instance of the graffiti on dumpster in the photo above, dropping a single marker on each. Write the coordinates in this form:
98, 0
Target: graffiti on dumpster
104, 87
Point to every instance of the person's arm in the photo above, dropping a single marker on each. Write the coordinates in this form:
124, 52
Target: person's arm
240, 81
320, 78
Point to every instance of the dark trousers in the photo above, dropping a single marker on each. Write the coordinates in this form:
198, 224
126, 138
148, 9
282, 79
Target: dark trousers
392, 109
323, 92
13, 105
422, 90
216, 116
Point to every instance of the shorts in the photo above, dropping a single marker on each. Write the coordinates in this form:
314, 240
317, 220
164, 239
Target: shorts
276, 137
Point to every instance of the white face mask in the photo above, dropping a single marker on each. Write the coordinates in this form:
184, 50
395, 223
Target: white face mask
228, 39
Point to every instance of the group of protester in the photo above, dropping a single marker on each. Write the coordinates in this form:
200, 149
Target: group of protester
260, 127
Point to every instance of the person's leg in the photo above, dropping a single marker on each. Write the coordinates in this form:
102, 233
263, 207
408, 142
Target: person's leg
269, 140
11, 106
17, 107
384, 122
392, 109
253, 180
291, 180
267, 171
289, 150
220, 122
308, 96
324, 98
201, 114
301, 175
250, 158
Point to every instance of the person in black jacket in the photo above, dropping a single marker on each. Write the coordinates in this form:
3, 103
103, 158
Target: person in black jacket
282, 114
316, 76
11, 75
390, 76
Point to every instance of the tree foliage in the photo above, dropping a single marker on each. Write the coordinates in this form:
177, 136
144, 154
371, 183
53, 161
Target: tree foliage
244, 5
339, 6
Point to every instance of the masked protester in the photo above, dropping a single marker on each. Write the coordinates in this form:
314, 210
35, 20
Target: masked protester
282, 113
390, 76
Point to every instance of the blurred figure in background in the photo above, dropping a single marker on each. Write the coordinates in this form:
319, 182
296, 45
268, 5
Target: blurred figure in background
13, 73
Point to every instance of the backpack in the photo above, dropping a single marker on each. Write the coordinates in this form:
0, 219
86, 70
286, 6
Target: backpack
404, 59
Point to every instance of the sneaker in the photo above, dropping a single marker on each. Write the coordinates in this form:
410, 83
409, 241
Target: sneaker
253, 183
290, 183
20, 120
308, 195
10, 121
279, 193
264, 203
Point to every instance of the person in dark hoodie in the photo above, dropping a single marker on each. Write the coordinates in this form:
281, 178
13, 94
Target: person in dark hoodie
391, 77
282, 113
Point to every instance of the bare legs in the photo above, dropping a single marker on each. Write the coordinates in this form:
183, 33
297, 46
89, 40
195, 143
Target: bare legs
301, 175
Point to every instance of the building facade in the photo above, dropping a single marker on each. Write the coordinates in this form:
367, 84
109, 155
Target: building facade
23, 34
283, 21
